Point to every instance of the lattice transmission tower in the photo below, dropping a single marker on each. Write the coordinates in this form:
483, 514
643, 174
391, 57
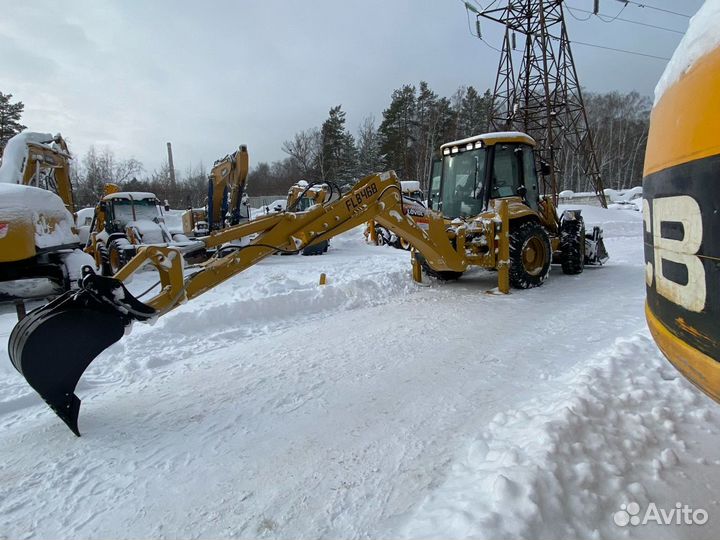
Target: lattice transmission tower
542, 97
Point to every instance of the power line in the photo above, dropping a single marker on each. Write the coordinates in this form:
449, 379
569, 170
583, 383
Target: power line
594, 45
617, 15
619, 50
648, 6
648, 25
477, 35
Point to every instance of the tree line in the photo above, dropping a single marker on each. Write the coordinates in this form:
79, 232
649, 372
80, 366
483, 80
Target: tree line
409, 131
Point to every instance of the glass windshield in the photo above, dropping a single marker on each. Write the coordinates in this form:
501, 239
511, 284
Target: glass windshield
435, 176
304, 204
462, 180
145, 209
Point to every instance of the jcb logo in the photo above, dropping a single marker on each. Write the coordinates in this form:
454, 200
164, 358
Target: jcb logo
675, 224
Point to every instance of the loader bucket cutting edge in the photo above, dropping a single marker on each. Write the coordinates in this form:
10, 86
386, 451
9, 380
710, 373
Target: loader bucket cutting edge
53, 345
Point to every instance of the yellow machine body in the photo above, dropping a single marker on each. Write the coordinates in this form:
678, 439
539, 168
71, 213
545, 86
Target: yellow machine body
37, 227
682, 230
225, 201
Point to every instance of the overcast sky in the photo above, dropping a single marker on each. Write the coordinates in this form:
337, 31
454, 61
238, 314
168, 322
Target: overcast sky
132, 75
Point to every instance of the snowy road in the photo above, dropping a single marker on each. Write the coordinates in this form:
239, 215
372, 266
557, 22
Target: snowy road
273, 407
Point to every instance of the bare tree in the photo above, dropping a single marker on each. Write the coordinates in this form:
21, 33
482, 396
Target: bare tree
305, 150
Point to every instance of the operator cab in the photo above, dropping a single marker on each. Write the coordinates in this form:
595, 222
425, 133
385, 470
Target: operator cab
123, 208
473, 171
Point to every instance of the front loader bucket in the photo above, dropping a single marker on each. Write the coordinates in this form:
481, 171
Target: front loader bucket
595, 252
53, 345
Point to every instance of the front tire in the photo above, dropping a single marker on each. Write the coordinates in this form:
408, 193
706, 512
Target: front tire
118, 255
572, 246
530, 255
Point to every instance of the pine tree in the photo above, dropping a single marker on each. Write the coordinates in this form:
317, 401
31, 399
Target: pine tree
473, 113
396, 131
10, 114
338, 148
369, 157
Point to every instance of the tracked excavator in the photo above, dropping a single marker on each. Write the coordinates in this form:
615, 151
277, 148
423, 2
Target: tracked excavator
226, 202
40, 250
487, 214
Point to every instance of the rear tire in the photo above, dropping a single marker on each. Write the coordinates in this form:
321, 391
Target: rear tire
444, 275
572, 246
530, 255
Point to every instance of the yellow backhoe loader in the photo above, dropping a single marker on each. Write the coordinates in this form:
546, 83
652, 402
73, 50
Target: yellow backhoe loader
125, 221
487, 213
226, 201
39, 246
303, 195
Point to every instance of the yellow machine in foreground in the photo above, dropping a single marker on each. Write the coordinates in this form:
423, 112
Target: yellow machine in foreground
682, 197
487, 214
39, 245
226, 202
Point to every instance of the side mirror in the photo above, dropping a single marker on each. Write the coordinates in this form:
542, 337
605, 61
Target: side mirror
545, 168
522, 191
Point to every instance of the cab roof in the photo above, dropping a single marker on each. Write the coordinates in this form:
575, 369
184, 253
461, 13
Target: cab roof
134, 195
489, 139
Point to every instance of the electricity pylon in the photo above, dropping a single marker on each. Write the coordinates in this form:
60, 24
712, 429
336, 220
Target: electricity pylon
543, 97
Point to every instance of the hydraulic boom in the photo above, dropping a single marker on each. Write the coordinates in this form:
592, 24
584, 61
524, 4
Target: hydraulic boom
99, 311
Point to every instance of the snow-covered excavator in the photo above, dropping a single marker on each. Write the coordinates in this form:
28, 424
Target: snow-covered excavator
488, 213
40, 251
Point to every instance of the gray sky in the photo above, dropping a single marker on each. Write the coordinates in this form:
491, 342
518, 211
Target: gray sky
208, 76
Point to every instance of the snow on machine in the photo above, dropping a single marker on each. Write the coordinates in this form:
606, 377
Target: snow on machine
40, 251
125, 221
301, 197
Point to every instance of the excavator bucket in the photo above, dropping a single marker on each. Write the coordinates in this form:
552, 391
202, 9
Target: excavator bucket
53, 345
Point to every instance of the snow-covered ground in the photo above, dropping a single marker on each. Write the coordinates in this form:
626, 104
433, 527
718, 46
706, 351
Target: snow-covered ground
372, 407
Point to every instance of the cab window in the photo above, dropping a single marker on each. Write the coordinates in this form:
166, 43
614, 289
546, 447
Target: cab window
506, 170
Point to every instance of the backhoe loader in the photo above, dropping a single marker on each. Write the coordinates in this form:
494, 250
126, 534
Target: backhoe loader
39, 246
301, 196
226, 201
487, 214
123, 222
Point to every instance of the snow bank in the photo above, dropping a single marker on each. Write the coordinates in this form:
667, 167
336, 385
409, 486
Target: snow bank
16, 153
702, 36
626, 427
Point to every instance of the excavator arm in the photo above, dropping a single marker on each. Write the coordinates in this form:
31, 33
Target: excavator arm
49, 167
41, 346
226, 186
